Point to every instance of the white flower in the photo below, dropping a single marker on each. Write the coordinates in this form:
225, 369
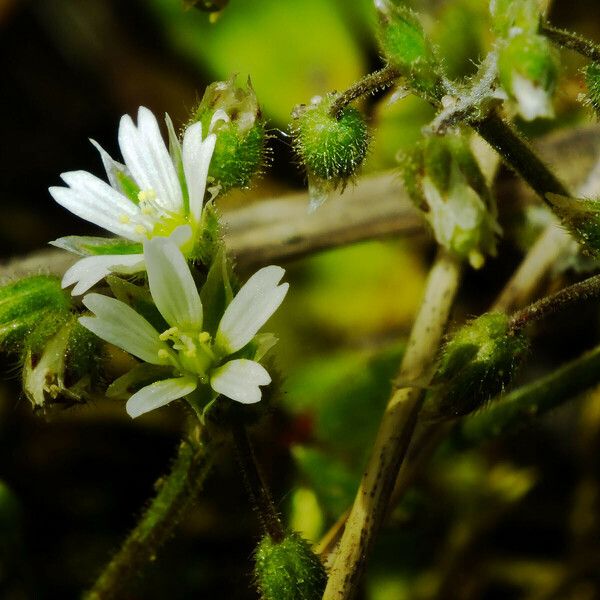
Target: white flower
153, 194
196, 358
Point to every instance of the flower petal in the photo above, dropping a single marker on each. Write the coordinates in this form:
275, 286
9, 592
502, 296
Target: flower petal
148, 159
95, 201
119, 324
171, 284
158, 394
240, 380
90, 270
258, 299
197, 154
111, 166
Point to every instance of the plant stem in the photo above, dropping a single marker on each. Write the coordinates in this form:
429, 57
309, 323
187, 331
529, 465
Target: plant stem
517, 154
367, 85
565, 298
530, 401
257, 489
174, 497
395, 431
572, 41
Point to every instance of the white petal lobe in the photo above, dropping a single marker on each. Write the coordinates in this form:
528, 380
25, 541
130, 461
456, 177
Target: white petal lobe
240, 380
88, 271
158, 394
197, 154
119, 324
171, 284
256, 301
111, 166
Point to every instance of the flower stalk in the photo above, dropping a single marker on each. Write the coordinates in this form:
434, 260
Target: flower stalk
175, 496
395, 431
571, 41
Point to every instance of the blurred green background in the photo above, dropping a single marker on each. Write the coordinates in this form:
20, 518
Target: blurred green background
515, 513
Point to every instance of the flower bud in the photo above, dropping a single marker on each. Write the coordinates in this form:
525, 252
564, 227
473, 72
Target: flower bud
405, 45
581, 217
528, 71
331, 148
234, 115
445, 182
512, 17
64, 367
288, 570
592, 81
29, 304
475, 365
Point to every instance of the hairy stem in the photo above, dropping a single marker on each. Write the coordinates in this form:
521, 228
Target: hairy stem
176, 493
395, 431
257, 489
572, 41
530, 401
565, 298
367, 85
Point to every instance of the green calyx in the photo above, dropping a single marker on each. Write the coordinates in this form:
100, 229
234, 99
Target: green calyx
581, 217
445, 182
31, 310
288, 570
509, 16
240, 152
405, 45
330, 148
592, 81
475, 365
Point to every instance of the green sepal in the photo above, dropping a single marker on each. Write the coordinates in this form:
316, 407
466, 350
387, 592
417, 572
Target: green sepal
88, 245
288, 570
511, 15
581, 216
210, 242
26, 304
475, 365
217, 292
592, 81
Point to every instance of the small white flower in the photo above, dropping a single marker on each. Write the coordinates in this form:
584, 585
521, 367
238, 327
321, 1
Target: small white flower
153, 194
533, 100
196, 358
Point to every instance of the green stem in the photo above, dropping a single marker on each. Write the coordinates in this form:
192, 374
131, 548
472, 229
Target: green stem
517, 154
259, 492
175, 496
565, 298
572, 41
530, 401
367, 85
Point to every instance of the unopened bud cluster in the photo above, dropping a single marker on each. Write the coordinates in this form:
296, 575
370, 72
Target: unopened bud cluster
444, 180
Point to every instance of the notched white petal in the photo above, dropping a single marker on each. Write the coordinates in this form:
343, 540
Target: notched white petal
111, 166
240, 380
171, 284
120, 325
197, 154
256, 301
159, 394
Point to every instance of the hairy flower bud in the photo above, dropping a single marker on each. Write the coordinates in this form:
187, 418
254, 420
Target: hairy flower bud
28, 305
475, 365
592, 81
288, 570
444, 180
233, 113
405, 45
528, 71
581, 217
331, 148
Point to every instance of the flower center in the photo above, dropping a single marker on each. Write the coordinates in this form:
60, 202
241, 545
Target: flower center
193, 351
